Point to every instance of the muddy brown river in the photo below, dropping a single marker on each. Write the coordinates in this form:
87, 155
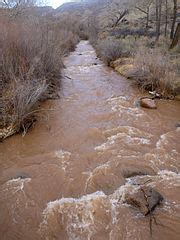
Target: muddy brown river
66, 179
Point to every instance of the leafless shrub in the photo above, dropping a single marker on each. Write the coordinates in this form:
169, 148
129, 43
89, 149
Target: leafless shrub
19, 108
155, 71
31, 53
111, 49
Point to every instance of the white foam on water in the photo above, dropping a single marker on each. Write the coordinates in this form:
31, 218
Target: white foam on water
163, 140
117, 99
155, 160
17, 184
83, 217
118, 199
125, 134
119, 194
89, 52
125, 138
77, 215
121, 104
131, 131
162, 155
171, 207
19, 181
103, 168
162, 176
86, 68
169, 175
64, 156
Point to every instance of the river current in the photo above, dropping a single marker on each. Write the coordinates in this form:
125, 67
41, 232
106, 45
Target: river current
66, 179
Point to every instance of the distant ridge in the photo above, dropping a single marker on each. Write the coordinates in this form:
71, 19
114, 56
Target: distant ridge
70, 6
78, 5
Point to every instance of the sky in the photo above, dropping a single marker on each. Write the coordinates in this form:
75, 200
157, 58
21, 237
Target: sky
57, 3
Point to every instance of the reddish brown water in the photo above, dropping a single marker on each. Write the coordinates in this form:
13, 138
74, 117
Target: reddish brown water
74, 163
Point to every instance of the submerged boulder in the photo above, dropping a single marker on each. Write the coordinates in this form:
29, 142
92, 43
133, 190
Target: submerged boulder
148, 103
145, 199
21, 175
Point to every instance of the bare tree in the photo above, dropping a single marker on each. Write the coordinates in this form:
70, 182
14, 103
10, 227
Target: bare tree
174, 19
116, 12
17, 7
158, 18
118, 17
146, 11
16, 3
166, 18
176, 37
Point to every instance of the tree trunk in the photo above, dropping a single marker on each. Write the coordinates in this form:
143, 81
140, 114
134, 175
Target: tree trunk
158, 18
174, 19
176, 37
166, 20
157, 37
147, 19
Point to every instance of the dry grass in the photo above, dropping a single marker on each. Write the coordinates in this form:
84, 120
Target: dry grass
154, 68
20, 104
111, 49
31, 53
155, 71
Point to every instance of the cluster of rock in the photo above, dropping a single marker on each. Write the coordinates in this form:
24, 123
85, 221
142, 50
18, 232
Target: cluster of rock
145, 199
148, 103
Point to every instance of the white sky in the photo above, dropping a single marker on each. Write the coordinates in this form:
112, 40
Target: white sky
56, 3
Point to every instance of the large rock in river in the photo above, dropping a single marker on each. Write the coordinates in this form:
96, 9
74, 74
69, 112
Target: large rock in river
148, 103
145, 199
